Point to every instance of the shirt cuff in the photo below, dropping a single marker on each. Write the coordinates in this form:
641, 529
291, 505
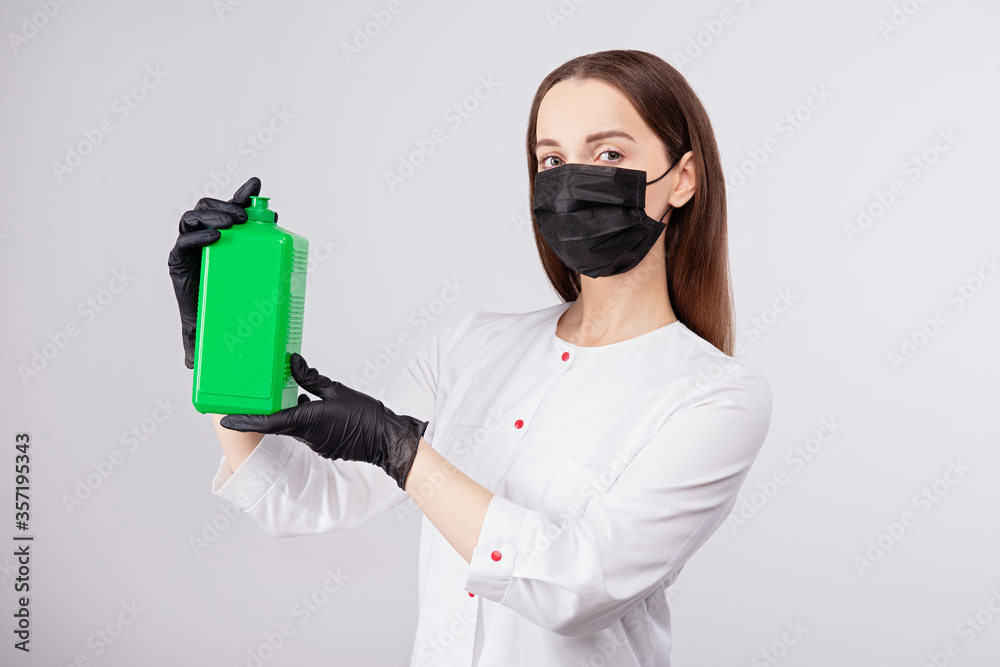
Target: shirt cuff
251, 480
495, 555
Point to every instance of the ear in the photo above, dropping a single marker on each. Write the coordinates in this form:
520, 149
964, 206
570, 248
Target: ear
687, 181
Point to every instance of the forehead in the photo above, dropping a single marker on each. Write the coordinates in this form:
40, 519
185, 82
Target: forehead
572, 109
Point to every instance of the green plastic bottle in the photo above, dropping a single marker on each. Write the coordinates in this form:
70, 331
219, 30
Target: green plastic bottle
250, 305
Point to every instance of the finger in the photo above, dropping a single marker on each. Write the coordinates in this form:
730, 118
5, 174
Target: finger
303, 398
249, 189
207, 203
196, 219
282, 422
189, 246
310, 379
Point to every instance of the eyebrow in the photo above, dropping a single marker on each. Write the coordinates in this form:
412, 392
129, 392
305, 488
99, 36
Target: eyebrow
595, 137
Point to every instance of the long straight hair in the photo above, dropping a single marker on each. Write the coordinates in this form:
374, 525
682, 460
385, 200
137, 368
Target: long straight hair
696, 241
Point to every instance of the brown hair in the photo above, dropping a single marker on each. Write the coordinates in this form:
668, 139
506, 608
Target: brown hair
696, 242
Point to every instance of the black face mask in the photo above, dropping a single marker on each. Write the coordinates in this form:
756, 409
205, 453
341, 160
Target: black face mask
593, 216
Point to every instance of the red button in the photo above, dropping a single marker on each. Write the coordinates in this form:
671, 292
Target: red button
495, 555
565, 356
472, 595
519, 423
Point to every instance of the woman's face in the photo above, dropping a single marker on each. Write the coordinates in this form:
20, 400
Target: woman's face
591, 122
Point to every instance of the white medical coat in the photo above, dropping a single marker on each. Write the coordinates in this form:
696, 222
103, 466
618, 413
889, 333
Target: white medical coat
610, 466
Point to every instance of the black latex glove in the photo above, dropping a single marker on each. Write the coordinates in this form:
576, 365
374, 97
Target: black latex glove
345, 424
198, 228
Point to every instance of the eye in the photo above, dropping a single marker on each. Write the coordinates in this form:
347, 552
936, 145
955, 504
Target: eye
612, 151
615, 155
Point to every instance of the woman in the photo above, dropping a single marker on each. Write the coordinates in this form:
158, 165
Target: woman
568, 461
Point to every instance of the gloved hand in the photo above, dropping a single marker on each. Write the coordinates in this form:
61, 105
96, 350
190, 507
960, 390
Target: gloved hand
198, 228
345, 424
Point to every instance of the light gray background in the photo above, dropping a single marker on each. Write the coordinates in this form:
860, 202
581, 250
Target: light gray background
462, 216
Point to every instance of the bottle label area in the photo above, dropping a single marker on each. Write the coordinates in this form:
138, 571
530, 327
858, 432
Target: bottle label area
238, 331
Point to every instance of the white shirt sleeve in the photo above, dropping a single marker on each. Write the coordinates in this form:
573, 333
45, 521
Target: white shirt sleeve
580, 572
290, 490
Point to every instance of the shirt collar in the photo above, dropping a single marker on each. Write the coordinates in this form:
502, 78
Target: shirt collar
585, 352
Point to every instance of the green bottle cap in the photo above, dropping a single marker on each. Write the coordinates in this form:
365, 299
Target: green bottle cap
259, 211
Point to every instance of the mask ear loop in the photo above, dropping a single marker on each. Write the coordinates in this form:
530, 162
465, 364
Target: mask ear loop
664, 173
661, 176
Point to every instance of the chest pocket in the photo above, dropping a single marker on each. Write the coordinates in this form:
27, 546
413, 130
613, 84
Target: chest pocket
561, 476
